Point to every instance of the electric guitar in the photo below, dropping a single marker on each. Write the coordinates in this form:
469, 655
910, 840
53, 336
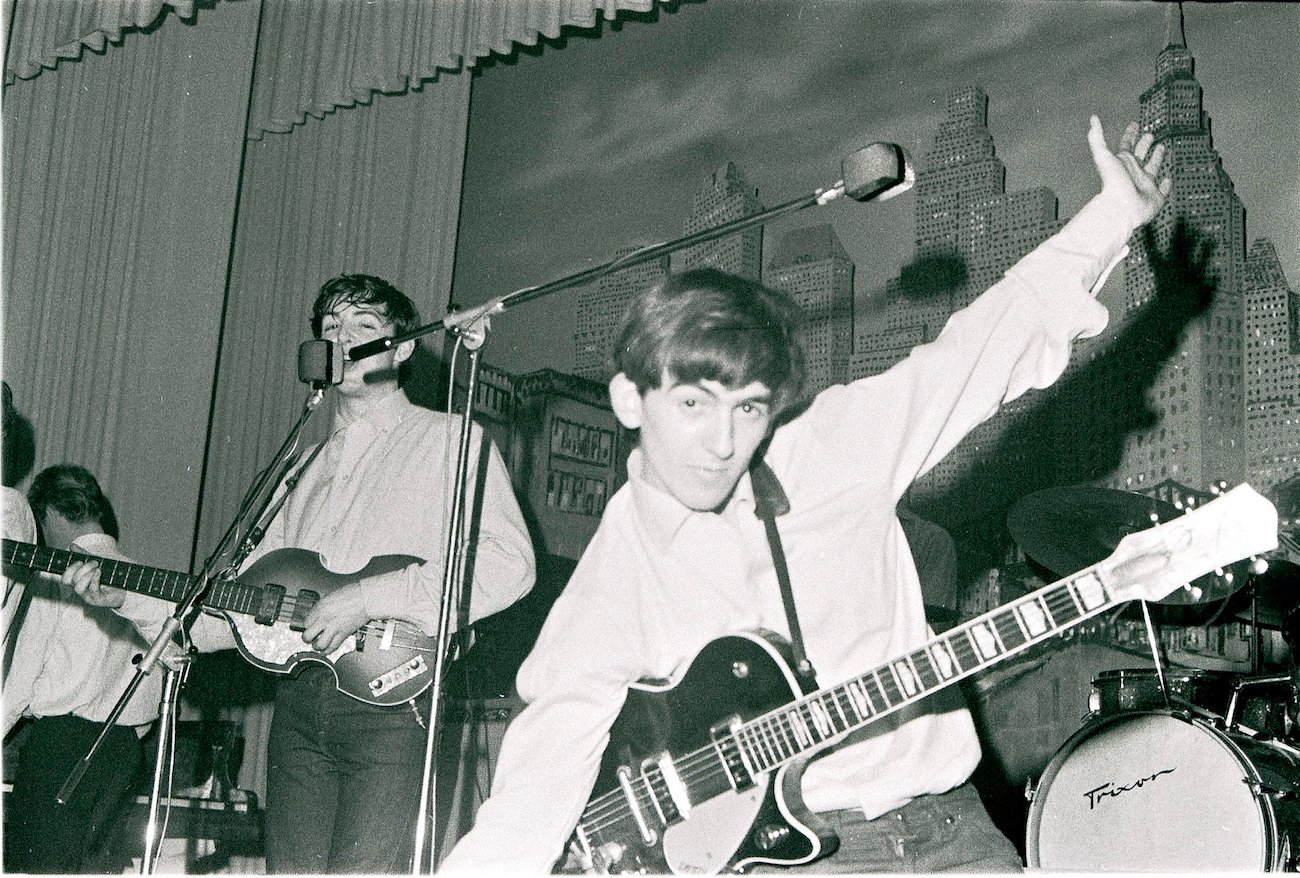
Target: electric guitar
387, 661
704, 774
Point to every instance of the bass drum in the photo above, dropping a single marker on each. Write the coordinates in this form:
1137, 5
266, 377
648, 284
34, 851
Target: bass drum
1156, 791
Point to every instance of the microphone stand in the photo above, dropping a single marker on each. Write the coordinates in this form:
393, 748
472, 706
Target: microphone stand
875, 172
180, 621
471, 337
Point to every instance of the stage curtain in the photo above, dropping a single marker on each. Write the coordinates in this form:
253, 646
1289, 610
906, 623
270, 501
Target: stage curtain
120, 180
315, 57
376, 192
44, 32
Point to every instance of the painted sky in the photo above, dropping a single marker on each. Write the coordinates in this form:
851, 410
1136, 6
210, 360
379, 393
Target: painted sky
593, 143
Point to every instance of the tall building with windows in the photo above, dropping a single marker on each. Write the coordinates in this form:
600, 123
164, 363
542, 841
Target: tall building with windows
1199, 395
1272, 385
813, 266
969, 231
722, 197
600, 308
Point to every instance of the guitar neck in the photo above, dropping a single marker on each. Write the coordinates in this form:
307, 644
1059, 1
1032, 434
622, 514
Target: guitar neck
168, 585
775, 738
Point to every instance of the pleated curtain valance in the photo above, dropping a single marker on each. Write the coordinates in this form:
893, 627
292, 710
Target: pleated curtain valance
315, 56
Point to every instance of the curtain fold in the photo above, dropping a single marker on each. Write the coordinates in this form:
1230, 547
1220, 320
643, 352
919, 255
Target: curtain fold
316, 56
120, 178
376, 192
45, 32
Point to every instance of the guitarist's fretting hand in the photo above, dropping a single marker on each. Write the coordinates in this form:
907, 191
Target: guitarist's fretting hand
337, 616
83, 578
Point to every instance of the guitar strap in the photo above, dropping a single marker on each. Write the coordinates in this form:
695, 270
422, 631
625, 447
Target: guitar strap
770, 501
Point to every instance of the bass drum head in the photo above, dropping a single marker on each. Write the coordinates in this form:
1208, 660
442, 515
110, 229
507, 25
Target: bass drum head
1148, 792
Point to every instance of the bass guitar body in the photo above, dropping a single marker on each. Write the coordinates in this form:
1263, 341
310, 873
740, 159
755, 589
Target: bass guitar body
386, 662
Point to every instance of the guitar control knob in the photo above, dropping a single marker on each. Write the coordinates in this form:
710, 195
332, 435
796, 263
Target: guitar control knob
740, 670
769, 835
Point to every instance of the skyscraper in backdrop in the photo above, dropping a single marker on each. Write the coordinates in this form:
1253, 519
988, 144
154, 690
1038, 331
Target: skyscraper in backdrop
969, 231
1272, 370
722, 197
812, 265
600, 308
1198, 395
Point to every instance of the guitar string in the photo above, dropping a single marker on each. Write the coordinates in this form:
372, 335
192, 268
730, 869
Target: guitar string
703, 763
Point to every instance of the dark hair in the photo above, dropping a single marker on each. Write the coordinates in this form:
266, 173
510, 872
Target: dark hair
364, 289
706, 324
19, 441
73, 491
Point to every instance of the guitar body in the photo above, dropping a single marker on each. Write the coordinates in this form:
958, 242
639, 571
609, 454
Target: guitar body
387, 662
739, 676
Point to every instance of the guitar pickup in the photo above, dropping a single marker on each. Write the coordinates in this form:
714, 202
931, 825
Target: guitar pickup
268, 608
739, 772
303, 602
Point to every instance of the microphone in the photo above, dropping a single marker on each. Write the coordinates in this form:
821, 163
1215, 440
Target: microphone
877, 172
320, 363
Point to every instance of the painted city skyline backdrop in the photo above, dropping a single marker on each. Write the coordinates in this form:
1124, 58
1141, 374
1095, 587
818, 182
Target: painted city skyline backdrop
582, 148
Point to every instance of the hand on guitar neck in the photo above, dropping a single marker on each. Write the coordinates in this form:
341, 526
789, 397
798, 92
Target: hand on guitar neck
334, 619
284, 609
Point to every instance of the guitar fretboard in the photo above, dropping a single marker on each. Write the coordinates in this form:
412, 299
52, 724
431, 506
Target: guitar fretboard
153, 581
770, 740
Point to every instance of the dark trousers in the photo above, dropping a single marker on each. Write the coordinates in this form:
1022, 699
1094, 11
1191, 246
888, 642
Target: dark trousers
44, 836
343, 779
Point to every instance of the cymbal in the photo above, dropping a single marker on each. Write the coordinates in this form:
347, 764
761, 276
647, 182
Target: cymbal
1067, 529
1276, 592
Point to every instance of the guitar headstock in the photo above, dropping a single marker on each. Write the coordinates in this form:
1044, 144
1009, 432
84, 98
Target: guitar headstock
1152, 563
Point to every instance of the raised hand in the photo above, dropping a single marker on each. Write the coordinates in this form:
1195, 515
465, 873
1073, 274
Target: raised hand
1132, 172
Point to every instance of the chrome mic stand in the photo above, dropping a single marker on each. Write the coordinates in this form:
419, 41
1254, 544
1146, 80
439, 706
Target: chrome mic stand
471, 337
179, 623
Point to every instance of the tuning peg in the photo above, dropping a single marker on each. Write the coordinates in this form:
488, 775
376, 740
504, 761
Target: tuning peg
1258, 565
1194, 591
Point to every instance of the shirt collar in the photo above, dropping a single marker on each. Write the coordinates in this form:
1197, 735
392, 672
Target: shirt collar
384, 414
662, 515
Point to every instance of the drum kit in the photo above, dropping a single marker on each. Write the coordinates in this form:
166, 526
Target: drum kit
1174, 769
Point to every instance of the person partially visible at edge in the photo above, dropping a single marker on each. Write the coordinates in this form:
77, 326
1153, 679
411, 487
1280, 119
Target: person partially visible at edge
343, 776
71, 663
710, 373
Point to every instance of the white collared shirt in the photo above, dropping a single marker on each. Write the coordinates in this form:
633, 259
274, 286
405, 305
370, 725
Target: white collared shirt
75, 659
659, 581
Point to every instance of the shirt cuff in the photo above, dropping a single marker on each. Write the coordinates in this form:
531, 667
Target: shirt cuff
400, 594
